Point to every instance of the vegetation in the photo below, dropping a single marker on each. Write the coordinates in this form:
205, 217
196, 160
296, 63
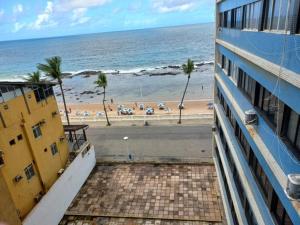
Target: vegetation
187, 69
34, 77
52, 68
101, 82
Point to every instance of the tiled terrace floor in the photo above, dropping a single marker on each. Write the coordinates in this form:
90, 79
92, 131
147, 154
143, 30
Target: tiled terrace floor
149, 194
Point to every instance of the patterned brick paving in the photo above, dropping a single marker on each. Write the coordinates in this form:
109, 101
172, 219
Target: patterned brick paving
146, 191
71, 220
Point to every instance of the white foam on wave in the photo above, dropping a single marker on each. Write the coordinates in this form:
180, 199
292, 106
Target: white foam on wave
136, 70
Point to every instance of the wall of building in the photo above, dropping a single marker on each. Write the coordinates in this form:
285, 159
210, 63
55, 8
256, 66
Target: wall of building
31, 150
8, 213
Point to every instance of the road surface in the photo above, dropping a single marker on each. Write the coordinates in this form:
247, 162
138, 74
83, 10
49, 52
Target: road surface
154, 143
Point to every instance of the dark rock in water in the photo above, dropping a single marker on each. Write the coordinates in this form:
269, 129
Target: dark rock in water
87, 93
173, 73
58, 94
204, 63
67, 89
164, 67
77, 98
92, 96
66, 74
116, 72
86, 76
174, 67
88, 73
143, 71
137, 74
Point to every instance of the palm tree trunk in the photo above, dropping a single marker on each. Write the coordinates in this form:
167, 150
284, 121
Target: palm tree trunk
180, 106
108, 123
64, 100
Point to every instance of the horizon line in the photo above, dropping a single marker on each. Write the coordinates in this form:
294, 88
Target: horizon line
104, 32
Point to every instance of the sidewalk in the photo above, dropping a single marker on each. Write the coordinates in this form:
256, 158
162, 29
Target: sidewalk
140, 120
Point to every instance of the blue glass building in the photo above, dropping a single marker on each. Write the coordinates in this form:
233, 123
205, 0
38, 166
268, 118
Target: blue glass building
257, 67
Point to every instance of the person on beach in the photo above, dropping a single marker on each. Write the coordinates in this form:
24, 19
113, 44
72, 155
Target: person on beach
111, 101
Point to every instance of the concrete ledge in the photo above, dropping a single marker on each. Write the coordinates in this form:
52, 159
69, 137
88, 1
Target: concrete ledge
50, 210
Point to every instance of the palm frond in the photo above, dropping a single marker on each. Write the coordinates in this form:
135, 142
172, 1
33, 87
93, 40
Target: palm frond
102, 80
34, 77
52, 68
189, 67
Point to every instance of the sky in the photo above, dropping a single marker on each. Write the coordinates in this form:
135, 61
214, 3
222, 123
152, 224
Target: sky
26, 19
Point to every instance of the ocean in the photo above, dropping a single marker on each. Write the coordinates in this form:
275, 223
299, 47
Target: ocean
126, 50
134, 60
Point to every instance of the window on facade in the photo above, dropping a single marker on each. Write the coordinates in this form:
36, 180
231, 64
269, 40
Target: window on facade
268, 104
291, 127
235, 73
1, 158
53, 148
279, 211
224, 62
229, 68
48, 91
277, 15
246, 84
225, 18
37, 132
39, 94
12, 142
252, 15
29, 171
20, 137
298, 22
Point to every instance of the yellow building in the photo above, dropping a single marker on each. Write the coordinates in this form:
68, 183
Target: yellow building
33, 147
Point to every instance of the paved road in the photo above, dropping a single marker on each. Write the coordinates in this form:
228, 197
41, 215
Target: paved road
165, 143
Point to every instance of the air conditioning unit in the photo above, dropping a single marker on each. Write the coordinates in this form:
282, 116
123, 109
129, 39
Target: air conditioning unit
60, 172
54, 113
293, 186
251, 117
18, 178
38, 197
213, 128
42, 122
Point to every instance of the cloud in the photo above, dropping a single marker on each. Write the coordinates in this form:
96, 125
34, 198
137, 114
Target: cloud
79, 17
18, 26
44, 19
166, 6
68, 5
17, 9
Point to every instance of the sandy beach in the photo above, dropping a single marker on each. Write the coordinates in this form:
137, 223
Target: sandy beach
191, 107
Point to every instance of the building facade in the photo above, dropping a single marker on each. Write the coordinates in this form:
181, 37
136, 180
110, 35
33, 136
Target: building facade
33, 147
257, 68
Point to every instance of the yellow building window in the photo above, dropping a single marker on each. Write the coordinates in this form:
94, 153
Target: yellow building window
29, 171
54, 149
37, 132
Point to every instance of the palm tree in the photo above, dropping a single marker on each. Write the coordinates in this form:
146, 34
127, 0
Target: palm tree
187, 69
34, 77
53, 70
102, 83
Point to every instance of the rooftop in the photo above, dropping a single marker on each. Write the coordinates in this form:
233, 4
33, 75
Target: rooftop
148, 194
